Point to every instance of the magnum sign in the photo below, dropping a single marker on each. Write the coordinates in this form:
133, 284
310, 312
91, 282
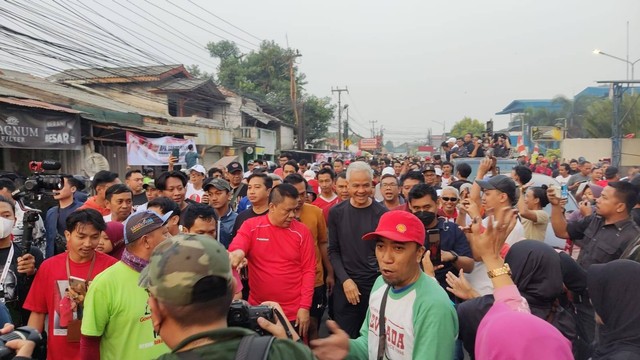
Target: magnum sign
39, 130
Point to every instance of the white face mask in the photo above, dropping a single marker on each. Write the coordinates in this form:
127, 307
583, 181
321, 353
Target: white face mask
6, 225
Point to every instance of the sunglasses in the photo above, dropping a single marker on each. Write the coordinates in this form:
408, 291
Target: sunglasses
452, 199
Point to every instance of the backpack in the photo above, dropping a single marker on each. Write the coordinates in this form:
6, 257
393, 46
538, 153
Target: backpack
252, 347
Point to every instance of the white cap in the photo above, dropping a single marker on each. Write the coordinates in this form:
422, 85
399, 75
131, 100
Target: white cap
309, 174
199, 168
388, 171
438, 172
452, 139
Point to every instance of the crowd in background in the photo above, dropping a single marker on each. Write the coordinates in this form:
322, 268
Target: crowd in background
409, 257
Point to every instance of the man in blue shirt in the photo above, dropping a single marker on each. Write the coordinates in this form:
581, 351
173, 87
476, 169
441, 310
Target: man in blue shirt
219, 193
55, 221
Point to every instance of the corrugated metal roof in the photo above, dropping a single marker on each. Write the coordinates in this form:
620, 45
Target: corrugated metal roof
260, 116
153, 72
36, 104
183, 84
519, 106
80, 96
5, 91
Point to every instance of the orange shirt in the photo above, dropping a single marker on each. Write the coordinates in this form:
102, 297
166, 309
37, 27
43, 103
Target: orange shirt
311, 216
92, 204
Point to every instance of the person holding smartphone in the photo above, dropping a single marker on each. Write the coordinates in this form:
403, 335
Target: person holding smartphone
455, 253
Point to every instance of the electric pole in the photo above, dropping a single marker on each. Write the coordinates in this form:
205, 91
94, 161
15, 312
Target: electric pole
373, 127
345, 135
294, 99
339, 91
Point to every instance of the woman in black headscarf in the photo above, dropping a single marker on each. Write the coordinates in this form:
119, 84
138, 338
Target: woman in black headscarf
535, 269
615, 295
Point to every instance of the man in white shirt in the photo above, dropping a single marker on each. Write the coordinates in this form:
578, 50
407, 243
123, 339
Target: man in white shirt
563, 172
197, 173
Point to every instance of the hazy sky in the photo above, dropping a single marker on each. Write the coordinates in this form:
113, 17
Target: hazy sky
411, 65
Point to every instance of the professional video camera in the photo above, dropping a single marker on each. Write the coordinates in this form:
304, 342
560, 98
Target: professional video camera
21, 333
35, 196
243, 315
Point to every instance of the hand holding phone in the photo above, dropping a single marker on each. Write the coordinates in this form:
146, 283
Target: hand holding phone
433, 240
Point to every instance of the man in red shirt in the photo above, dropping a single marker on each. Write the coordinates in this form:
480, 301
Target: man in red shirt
342, 188
282, 160
281, 255
60, 285
102, 180
327, 196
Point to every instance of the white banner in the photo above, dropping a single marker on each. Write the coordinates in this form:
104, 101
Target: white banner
154, 151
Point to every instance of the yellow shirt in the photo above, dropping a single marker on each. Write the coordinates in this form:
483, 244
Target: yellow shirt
311, 216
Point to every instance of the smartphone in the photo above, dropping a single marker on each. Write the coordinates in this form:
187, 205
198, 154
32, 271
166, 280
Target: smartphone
175, 153
433, 238
564, 190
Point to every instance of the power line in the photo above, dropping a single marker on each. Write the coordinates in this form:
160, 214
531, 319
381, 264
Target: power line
225, 21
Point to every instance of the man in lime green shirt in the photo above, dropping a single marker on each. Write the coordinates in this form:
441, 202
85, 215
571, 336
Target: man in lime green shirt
419, 319
117, 319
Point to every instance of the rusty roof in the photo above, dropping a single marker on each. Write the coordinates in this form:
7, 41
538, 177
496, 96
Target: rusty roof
121, 74
189, 85
37, 104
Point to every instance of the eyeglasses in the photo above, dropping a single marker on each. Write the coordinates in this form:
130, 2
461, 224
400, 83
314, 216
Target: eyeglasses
452, 199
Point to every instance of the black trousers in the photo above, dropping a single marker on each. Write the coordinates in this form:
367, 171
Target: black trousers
349, 317
585, 328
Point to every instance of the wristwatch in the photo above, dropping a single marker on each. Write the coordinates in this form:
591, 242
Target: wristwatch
455, 256
504, 270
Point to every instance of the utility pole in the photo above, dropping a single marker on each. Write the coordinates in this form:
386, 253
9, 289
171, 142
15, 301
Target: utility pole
294, 100
339, 91
345, 137
373, 127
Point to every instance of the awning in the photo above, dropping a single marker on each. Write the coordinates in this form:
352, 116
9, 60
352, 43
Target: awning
225, 160
37, 104
147, 128
260, 116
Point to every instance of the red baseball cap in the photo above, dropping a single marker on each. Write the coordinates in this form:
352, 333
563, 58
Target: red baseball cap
398, 225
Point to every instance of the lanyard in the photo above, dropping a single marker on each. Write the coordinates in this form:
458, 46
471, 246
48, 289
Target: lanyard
5, 270
93, 262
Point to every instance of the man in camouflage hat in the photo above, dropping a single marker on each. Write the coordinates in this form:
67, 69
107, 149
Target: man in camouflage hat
190, 289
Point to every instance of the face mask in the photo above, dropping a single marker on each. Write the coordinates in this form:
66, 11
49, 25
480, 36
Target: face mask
426, 217
6, 225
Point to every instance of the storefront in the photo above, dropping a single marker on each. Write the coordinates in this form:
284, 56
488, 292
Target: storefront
32, 130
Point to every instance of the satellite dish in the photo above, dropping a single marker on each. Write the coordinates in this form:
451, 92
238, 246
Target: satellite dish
249, 150
95, 162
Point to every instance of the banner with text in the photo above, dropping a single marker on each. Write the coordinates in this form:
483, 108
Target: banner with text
37, 130
154, 151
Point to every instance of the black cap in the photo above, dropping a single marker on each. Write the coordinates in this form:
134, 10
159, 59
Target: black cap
234, 166
428, 167
501, 183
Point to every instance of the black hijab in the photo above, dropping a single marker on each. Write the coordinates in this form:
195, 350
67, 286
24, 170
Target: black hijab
615, 295
535, 269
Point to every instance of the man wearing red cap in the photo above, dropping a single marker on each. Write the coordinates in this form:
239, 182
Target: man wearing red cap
414, 312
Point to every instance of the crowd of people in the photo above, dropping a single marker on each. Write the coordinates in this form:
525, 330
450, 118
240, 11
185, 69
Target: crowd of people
407, 257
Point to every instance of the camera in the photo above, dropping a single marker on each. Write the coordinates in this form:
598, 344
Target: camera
241, 314
21, 333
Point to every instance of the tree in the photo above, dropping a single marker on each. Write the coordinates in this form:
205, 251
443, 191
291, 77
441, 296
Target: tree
195, 71
599, 117
467, 125
389, 146
264, 75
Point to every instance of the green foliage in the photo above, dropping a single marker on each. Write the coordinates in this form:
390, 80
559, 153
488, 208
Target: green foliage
264, 75
599, 116
197, 73
389, 146
467, 125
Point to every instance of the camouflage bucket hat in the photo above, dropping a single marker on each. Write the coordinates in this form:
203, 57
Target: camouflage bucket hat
177, 264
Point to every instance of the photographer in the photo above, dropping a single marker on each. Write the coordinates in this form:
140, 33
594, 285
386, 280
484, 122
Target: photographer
18, 269
501, 146
56, 218
191, 315
7, 187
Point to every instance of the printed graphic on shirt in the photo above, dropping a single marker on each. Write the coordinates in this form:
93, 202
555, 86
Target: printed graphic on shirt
66, 310
156, 337
8, 288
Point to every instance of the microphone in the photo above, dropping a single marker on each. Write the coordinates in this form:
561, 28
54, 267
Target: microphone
37, 166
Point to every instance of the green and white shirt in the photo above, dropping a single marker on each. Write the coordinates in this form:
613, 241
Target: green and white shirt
421, 323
